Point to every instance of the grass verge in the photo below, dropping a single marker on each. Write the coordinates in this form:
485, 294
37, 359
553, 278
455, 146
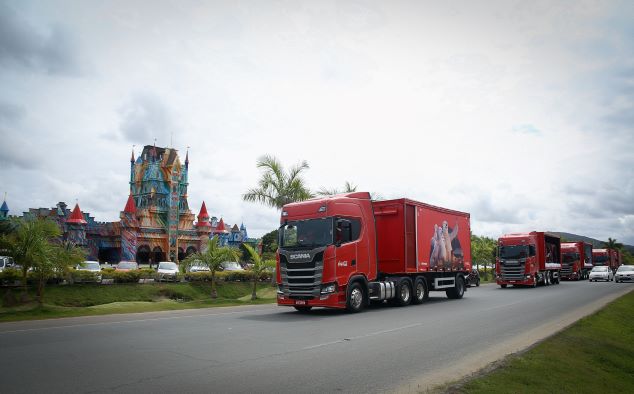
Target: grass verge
594, 355
90, 300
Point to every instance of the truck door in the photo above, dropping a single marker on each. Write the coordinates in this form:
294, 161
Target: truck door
347, 232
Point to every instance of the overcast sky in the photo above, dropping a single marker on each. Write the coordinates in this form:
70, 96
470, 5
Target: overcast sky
521, 113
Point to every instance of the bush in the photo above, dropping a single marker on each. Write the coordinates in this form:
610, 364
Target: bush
10, 275
147, 273
132, 276
204, 276
84, 276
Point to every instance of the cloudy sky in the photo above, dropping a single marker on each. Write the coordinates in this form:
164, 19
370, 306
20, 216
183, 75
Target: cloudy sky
521, 113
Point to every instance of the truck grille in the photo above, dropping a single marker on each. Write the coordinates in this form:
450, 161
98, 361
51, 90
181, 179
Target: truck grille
302, 280
512, 272
566, 270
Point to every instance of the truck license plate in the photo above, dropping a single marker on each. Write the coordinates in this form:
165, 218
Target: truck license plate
300, 302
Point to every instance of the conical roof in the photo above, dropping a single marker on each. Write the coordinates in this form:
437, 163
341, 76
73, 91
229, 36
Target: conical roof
76, 217
203, 212
221, 227
5, 207
130, 206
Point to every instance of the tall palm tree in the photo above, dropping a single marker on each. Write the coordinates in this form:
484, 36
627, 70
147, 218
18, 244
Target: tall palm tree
58, 260
259, 267
612, 244
212, 257
276, 187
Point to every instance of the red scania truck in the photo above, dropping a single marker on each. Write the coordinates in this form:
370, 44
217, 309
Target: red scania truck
576, 260
346, 251
528, 259
609, 257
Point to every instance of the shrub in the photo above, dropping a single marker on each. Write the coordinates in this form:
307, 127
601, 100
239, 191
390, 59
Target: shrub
10, 275
84, 276
131, 276
204, 276
147, 273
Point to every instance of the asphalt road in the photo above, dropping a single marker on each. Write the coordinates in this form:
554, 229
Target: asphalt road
273, 349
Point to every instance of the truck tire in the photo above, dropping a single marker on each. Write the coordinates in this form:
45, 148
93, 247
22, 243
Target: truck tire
303, 309
503, 286
403, 293
457, 291
421, 293
478, 282
355, 301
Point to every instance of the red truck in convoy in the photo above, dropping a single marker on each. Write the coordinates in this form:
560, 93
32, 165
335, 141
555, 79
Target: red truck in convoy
576, 260
528, 259
609, 257
346, 251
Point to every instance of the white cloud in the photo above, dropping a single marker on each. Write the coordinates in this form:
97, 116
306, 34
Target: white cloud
487, 108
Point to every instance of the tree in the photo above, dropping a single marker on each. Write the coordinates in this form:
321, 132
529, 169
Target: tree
483, 251
276, 187
269, 244
259, 266
29, 243
612, 244
212, 257
58, 260
348, 188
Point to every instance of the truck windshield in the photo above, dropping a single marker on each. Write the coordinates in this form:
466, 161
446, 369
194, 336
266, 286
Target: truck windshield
599, 260
514, 252
310, 233
571, 257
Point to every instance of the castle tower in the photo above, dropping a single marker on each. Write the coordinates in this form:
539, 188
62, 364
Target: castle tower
159, 189
243, 233
4, 210
129, 231
76, 227
203, 227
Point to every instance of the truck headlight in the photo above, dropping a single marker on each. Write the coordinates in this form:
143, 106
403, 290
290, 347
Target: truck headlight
528, 276
328, 288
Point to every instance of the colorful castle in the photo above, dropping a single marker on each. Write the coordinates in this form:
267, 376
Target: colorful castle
156, 223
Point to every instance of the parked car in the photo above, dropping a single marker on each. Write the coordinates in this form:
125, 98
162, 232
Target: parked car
167, 270
198, 268
6, 262
601, 272
126, 266
473, 279
625, 273
90, 266
231, 266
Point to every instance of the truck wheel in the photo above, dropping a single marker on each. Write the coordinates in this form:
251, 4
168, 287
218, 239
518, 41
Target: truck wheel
458, 290
503, 286
356, 298
303, 309
534, 285
403, 293
420, 291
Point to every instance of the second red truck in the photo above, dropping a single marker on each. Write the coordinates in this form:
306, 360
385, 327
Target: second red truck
528, 259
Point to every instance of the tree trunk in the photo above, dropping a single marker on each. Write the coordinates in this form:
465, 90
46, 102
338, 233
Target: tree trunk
40, 290
214, 293
24, 276
255, 284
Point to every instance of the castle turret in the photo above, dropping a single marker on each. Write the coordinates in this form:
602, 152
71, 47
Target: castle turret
4, 210
76, 227
203, 227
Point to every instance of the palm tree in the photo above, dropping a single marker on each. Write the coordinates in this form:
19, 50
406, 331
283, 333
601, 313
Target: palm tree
259, 266
277, 188
612, 244
28, 243
59, 259
212, 257
348, 188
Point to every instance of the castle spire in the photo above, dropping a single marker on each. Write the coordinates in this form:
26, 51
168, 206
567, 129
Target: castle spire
76, 217
132, 158
203, 217
4, 210
187, 162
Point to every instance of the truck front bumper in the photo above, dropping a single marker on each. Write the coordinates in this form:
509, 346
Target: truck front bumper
334, 300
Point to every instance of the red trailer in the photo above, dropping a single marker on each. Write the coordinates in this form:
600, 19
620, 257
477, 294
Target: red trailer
576, 260
609, 257
346, 251
528, 259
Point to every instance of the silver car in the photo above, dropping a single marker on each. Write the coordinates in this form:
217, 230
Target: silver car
625, 273
90, 266
167, 270
601, 272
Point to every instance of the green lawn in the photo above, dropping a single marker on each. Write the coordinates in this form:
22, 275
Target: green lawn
86, 300
595, 355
